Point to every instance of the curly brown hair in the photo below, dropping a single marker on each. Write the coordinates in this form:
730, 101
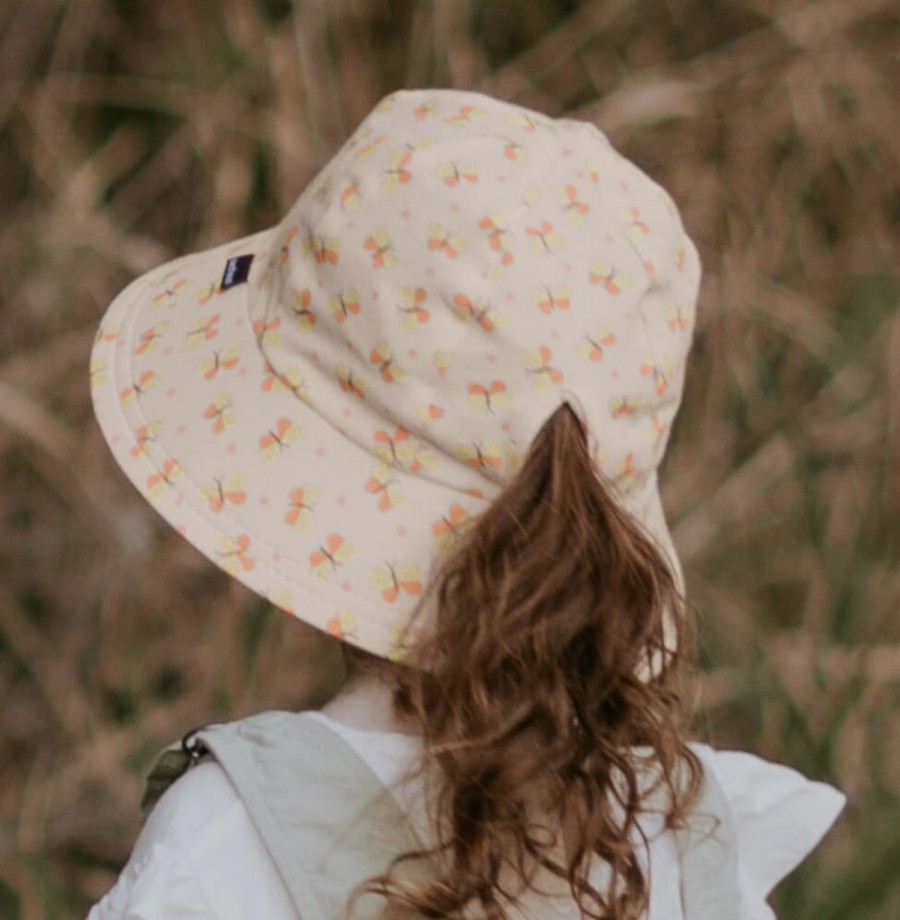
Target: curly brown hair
548, 666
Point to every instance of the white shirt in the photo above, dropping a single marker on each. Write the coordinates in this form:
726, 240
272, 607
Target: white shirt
199, 855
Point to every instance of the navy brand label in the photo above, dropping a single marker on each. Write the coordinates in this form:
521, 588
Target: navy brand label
237, 270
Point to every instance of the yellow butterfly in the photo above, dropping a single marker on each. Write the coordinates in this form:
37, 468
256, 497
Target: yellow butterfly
149, 338
323, 249
350, 197
478, 457
159, 482
442, 362
544, 239
302, 308
636, 227
210, 365
662, 374
267, 331
221, 413
98, 372
144, 437
381, 483
379, 245
341, 625
678, 319
494, 397
350, 383
344, 305
275, 441
222, 491
441, 240
233, 554
301, 502
392, 581
620, 406
608, 276
146, 381
592, 345
202, 329
550, 299
452, 175
397, 174
575, 209
538, 361
410, 305
327, 558
383, 359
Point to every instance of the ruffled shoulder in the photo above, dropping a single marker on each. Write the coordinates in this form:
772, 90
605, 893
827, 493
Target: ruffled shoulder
779, 818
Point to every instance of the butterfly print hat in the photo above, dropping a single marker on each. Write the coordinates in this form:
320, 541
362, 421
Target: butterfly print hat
322, 407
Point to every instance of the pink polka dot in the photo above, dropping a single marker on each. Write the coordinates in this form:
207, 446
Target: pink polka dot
614, 375
505, 426
232, 448
455, 208
320, 451
180, 529
276, 557
167, 351
315, 357
238, 323
178, 500
171, 392
567, 267
404, 214
554, 333
501, 178
376, 295
429, 272
609, 238
346, 586
264, 500
567, 153
115, 439
485, 276
180, 429
120, 343
347, 413
580, 173
342, 499
509, 296
491, 359
412, 354
243, 372
401, 531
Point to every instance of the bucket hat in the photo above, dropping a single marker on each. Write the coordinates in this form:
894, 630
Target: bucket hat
320, 408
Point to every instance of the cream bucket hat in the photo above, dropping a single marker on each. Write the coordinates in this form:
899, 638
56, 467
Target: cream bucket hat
321, 407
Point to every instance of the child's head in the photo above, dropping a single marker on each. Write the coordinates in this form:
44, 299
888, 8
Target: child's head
322, 408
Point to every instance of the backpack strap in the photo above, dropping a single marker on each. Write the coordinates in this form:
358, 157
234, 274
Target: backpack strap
707, 851
329, 823
325, 818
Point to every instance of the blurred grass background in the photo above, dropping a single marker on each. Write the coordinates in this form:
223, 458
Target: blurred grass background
132, 131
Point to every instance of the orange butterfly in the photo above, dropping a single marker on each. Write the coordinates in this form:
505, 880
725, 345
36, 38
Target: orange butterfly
657, 429
267, 332
678, 318
205, 295
349, 383
483, 314
464, 116
301, 506
680, 256
169, 293
397, 174
149, 338
393, 581
477, 457
637, 228
327, 558
424, 110
203, 329
342, 625
233, 554
221, 491
531, 196
158, 483
498, 235
604, 274
538, 361
98, 372
442, 362
593, 344
623, 405
441, 240
544, 239
372, 146
593, 171
219, 360
383, 359
350, 198
414, 314
526, 122
146, 381
626, 470
392, 448
286, 244
324, 250
494, 397
379, 245
449, 526
221, 413
662, 374
302, 309
381, 484
550, 299
291, 379
344, 305
107, 333
575, 209
274, 443
451, 174
513, 150
428, 414
144, 437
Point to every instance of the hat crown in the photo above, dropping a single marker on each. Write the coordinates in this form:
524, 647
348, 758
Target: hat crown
462, 266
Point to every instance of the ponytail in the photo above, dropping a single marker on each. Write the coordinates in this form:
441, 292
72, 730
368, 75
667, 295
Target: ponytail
530, 700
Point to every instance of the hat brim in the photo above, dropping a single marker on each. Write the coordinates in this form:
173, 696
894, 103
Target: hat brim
247, 471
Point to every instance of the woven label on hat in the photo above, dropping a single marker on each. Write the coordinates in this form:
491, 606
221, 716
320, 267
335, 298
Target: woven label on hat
237, 270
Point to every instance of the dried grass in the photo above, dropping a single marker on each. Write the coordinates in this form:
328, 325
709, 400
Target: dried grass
133, 131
